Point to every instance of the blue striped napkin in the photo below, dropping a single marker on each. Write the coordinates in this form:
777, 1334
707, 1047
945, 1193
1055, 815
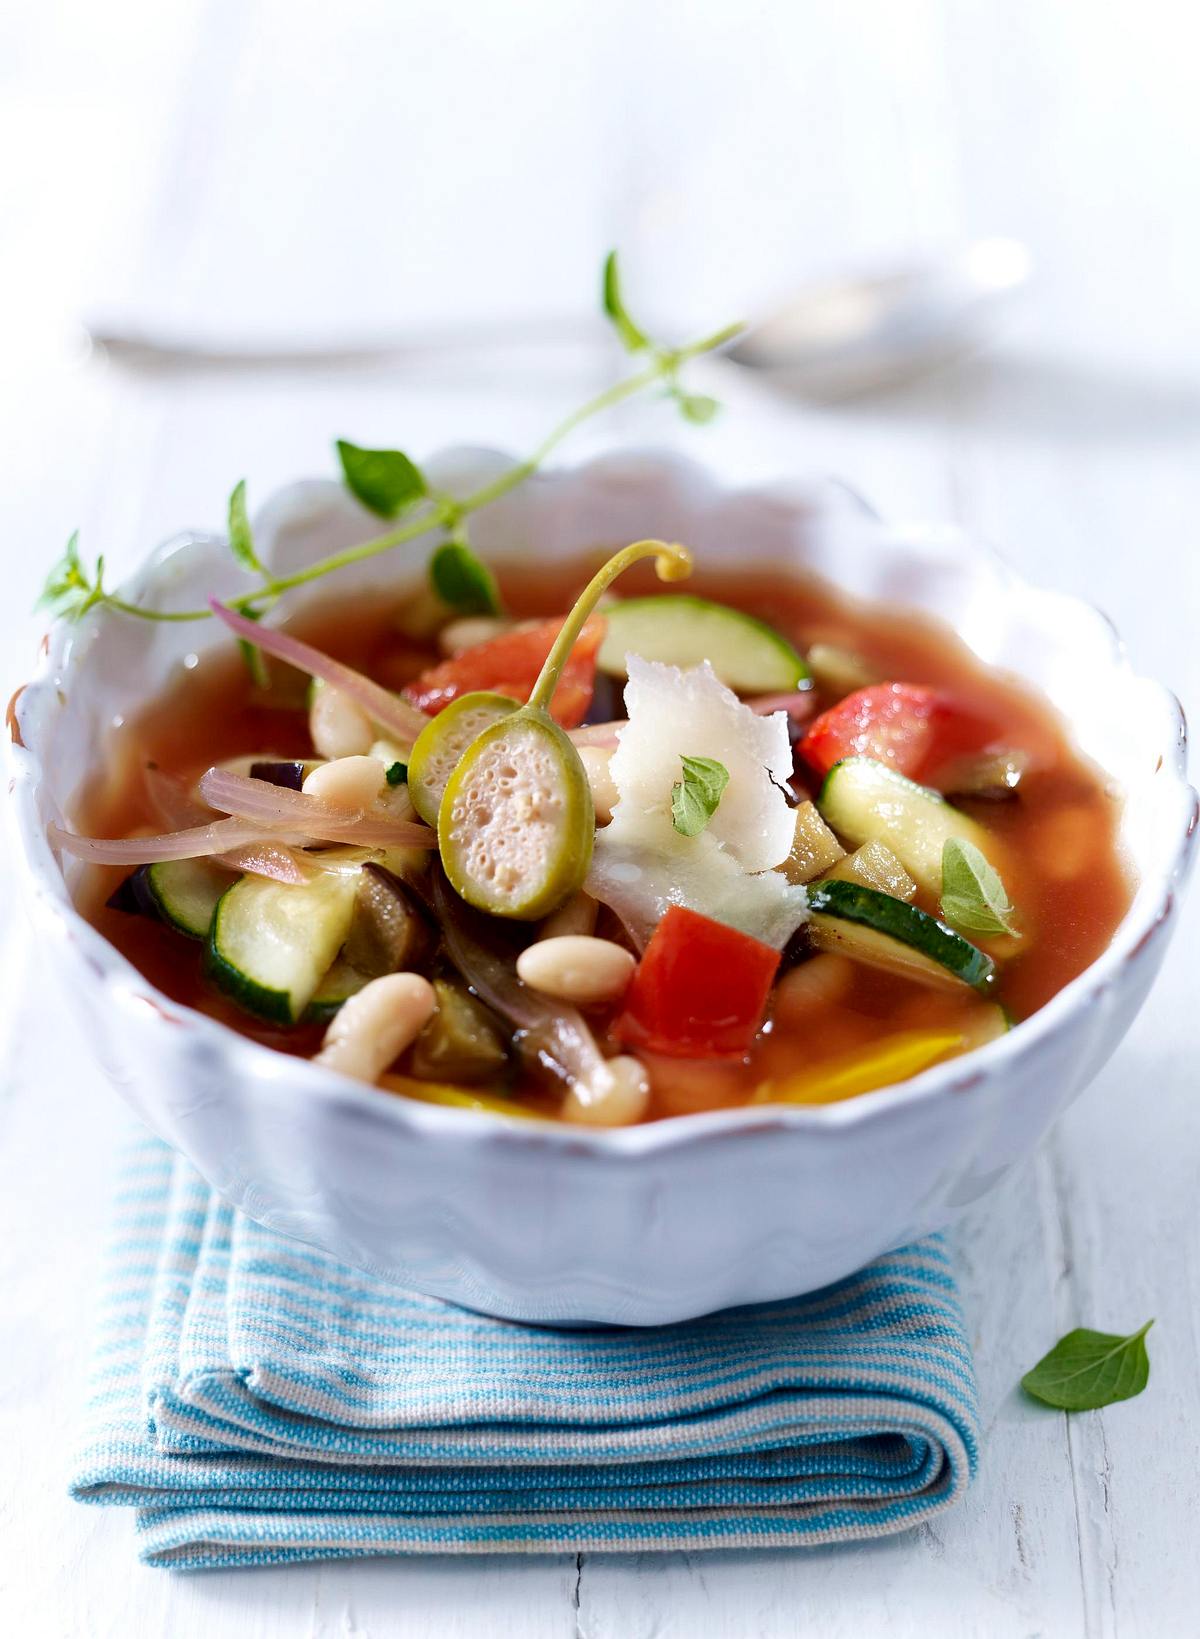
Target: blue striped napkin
257, 1402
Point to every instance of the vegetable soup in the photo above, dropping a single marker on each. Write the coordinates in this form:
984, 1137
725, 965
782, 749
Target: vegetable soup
677, 850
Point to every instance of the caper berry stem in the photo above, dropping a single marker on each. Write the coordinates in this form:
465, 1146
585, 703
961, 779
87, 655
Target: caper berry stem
672, 562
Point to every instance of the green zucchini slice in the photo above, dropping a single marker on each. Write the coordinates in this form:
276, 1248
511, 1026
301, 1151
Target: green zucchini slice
388, 933
884, 932
745, 653
185, 892
866, 801
272, 943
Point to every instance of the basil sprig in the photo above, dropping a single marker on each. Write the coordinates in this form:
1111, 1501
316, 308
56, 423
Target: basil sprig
391, 485
697, 408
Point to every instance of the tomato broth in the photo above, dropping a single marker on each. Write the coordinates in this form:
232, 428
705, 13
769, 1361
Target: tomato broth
1058, 834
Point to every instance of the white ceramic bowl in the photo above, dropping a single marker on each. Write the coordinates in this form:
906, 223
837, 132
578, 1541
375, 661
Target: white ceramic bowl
655, 1223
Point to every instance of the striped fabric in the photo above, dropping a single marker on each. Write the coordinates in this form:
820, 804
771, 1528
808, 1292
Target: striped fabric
257, 1402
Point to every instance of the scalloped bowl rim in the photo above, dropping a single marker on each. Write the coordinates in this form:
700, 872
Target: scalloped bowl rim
130, 988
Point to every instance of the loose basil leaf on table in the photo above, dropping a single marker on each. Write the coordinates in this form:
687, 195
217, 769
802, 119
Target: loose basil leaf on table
1086, 1370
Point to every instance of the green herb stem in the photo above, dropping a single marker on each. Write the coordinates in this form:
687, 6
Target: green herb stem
111, 601
673, 562
442, 512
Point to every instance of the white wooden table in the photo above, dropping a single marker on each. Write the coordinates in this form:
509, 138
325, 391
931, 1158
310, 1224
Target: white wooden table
262, 166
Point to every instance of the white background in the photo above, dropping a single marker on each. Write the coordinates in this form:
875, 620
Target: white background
281, 167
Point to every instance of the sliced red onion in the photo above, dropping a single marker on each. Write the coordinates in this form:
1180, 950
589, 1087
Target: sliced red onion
403, 721
551, 1035
173, 799
267, 859
798, 704
340, 860
196, 842
280, 810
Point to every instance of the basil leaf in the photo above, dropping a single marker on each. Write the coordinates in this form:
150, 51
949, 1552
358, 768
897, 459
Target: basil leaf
67, 584
69, 592
241, 538
694, 799
698, 408
464, 581
385, 481
397, 774
633, 339
973, 897
1086, 1370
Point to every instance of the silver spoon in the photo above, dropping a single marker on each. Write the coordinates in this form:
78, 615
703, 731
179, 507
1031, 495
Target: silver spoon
832, 340
859, 334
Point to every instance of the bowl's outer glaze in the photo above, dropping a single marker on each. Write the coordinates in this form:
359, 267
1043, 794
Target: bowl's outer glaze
652, 1224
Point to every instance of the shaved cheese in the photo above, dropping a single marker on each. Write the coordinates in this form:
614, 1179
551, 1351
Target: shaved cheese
674, 713
642, 865
641, 882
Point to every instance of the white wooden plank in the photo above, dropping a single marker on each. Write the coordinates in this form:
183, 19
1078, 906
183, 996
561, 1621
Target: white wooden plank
1120, 1179
1003, 1564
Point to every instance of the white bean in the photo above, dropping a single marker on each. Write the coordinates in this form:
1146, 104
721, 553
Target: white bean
620, 1101
605, 795
337, 725
576, 967
469, 632
578, 915
352, 783
373, 1028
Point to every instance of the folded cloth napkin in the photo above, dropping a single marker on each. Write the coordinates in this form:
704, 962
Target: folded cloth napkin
258, 1402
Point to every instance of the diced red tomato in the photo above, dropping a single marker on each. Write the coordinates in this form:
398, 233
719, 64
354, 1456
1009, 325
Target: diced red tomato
699, 991
912, 728
510, 664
